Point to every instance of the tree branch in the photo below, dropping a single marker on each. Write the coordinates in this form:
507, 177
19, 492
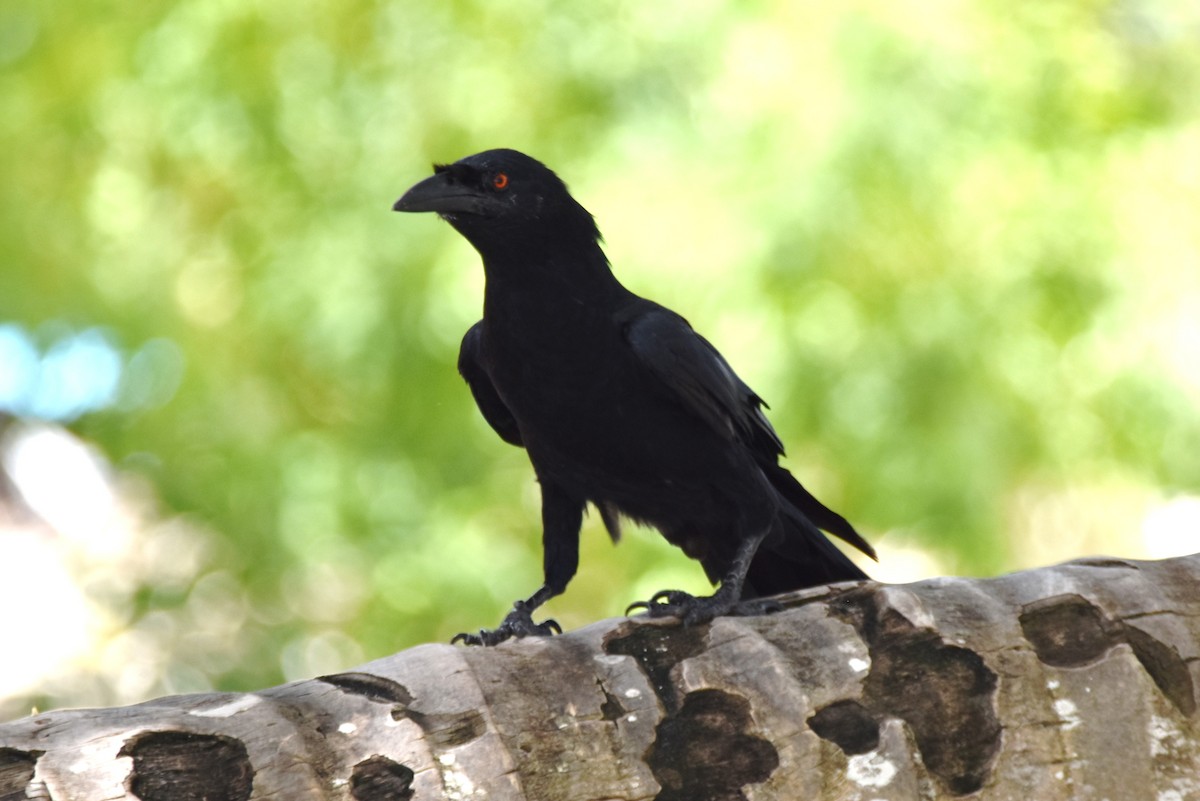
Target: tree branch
1067, 682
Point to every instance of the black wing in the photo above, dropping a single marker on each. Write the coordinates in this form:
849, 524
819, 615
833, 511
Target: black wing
470, 366
701, 379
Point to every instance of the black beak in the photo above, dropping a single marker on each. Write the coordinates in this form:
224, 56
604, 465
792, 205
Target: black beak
436, 193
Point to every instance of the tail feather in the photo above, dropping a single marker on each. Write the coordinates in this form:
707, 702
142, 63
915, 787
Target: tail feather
796, 554
771, 573
821, 515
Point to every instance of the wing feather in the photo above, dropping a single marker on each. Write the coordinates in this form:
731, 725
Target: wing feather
491, 405
701, 380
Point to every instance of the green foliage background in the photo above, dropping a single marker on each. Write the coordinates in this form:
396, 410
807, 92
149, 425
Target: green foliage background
954, 244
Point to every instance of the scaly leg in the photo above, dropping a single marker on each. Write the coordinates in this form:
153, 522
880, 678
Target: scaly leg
727, 600
561, 518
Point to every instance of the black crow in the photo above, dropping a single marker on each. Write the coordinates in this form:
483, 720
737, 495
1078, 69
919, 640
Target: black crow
619, 403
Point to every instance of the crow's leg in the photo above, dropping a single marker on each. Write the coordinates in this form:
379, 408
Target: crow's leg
517, 623
727, 600
561, 517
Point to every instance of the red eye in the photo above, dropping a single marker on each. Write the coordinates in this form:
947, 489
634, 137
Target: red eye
500, 181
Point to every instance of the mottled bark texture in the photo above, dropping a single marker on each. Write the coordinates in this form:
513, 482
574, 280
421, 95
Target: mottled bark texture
1069, 682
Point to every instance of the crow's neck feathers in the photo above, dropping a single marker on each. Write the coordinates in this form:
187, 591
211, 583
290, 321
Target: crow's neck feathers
556, 257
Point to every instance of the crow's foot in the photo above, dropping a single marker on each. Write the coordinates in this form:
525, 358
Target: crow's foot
692, 610
517, 623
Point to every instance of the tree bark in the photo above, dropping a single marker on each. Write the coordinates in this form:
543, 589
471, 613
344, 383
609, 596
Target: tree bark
1070, 682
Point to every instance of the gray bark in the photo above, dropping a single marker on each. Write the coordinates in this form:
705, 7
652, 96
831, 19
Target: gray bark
1070, 682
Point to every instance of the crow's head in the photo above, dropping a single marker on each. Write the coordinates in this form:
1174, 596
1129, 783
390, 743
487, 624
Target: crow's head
500, 194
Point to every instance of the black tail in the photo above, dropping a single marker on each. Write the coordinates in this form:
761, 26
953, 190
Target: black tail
797, 555
821, 515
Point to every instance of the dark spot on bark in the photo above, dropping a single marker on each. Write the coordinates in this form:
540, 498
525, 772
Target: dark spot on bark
945, 693
611, 709
16, 771
381, 779
847, 724
1068, 630
181, 766
449, 730
1168, 670
375, 688
705, 753
657, 650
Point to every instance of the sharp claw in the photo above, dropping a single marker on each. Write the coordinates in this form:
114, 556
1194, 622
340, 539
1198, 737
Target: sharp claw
518, 623
482, 638
637, 605
691, 610
665, 603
